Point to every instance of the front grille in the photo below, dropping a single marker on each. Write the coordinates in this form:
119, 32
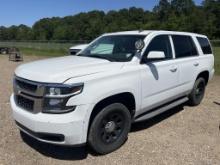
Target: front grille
24, 103
26, 86
28, 94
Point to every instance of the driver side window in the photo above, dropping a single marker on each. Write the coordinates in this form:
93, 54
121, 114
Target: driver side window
160, 43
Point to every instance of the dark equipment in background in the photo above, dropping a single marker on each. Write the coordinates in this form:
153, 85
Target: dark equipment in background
4, 50
15, 55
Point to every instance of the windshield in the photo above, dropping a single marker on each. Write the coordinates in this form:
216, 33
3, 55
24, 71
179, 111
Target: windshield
119, 48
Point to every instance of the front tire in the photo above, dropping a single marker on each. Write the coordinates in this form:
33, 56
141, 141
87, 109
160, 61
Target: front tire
109, 129
198, 92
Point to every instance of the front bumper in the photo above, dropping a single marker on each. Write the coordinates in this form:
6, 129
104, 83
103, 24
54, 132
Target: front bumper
212, 74
72, 126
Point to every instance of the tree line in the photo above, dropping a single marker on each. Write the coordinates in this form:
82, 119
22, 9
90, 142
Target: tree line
177, 15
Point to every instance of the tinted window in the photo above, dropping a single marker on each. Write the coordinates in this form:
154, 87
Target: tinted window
184, 46
204, 43
160, 43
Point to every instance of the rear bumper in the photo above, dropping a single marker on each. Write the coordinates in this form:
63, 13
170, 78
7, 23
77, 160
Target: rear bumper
59, 129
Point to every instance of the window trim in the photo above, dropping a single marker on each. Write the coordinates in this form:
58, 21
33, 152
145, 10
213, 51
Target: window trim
158, 60
172, 46
193, 56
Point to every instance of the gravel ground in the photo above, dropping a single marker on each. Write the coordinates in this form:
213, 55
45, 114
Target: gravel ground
183, 135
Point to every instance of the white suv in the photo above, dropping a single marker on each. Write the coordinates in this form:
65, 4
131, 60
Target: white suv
77, 48
120, 78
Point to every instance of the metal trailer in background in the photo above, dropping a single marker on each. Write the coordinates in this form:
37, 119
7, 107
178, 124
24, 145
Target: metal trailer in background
15, 55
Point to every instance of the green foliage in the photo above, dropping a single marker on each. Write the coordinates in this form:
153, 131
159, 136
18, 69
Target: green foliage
217, 60
180, 15
215, 43
21, 32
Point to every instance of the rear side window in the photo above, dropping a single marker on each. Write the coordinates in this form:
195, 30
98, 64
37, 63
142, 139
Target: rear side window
184, 46
204, 43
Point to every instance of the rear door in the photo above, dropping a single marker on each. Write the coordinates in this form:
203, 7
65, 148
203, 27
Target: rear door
206, 55
187, 59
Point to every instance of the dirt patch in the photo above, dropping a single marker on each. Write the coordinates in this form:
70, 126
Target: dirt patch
183, 135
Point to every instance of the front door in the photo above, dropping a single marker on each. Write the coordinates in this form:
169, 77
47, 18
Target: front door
160, 77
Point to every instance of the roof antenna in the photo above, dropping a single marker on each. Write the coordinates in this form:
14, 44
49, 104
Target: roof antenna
140, 30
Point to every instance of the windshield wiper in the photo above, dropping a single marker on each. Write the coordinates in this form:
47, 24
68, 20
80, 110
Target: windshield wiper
97, 56
101, 57
81, 55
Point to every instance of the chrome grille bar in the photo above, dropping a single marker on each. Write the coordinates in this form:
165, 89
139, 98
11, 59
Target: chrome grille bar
34, 95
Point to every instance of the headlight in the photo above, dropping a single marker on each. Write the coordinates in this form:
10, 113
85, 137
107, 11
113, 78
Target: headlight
62, 91
56, 97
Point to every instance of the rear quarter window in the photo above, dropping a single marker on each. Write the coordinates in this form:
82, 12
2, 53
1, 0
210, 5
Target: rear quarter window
205, 45
184, 46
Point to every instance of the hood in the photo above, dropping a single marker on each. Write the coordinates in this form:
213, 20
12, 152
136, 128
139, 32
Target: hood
58, 70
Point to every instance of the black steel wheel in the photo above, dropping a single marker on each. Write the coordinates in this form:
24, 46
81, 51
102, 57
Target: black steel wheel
198, 92
110, 128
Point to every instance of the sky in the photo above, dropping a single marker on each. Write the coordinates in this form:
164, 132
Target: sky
16, 12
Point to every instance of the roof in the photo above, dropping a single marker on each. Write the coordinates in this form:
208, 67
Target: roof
137, 32
146, 32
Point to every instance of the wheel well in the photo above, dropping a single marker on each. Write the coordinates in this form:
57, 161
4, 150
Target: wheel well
126, 99
205, 75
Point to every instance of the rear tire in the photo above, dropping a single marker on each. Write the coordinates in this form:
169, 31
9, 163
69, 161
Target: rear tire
109, 129
198, 92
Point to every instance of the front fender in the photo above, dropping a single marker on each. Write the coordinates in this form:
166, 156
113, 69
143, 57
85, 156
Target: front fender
106, 85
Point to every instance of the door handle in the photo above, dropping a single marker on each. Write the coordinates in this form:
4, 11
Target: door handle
196, 64
173, 69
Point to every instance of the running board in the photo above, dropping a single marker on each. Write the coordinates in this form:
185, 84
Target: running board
161, 109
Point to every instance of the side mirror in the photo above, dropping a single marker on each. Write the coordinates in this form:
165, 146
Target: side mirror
156, 55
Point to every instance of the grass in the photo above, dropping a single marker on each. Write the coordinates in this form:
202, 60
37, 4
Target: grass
43, 52
217, 60
37, 45
40, 48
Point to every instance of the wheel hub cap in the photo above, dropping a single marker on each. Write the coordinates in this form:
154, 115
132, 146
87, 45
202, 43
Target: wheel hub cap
110, 126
